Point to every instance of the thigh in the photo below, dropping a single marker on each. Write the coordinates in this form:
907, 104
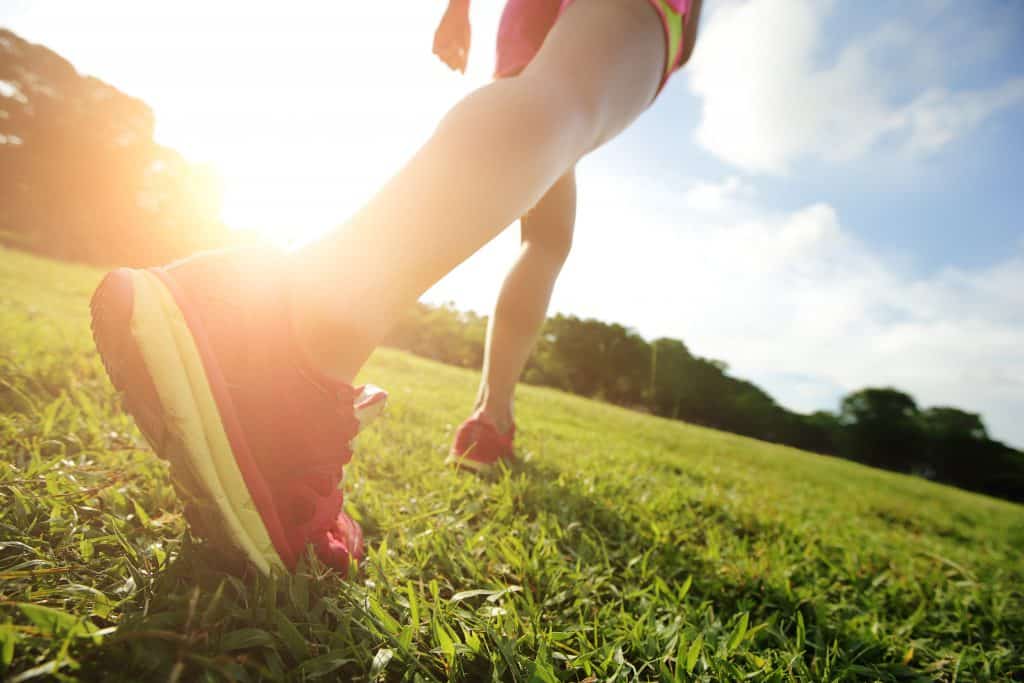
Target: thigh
607, 57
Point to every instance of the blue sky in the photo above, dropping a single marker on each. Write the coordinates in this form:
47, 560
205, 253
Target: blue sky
827, 197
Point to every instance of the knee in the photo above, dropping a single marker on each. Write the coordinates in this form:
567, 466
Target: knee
547, 229
551, 245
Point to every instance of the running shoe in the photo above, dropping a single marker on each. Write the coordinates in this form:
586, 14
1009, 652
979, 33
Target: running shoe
479, 446
203, 353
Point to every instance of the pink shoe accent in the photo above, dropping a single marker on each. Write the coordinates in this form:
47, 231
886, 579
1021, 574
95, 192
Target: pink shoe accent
480, 446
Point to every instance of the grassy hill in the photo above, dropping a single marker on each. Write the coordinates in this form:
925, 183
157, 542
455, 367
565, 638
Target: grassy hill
624, 547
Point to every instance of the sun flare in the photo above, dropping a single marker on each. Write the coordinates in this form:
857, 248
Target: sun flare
302, 113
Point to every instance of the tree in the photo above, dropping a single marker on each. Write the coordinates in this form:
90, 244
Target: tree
592, 358
83, 178
883, 429
821, 432
944, 422
959, 447
669, 360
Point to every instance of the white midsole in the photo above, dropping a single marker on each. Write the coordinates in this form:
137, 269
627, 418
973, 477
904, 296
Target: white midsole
192, 417
465, 461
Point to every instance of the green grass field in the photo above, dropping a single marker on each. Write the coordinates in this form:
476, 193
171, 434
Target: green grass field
625, 547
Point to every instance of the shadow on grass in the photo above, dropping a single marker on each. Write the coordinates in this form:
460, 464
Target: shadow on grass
799, 620
194, 620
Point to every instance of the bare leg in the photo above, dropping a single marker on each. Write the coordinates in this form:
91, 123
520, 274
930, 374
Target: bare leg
491, 159
523, 302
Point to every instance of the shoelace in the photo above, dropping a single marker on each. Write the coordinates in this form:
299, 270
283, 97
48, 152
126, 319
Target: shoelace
316, 498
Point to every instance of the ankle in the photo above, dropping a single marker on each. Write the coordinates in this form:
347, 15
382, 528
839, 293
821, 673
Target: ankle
306, 336
500, 416
318, 332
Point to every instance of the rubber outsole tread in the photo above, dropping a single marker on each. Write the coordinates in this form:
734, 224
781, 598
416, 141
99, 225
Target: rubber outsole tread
110, 307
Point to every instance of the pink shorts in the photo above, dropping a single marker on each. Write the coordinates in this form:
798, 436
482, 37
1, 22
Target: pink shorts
526, 23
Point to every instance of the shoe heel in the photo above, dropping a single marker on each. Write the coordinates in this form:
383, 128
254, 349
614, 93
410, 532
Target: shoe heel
111, 308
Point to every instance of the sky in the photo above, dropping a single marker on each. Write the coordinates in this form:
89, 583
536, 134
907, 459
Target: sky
826, 198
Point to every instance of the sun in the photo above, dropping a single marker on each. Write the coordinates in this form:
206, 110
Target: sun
303, 108
319, 122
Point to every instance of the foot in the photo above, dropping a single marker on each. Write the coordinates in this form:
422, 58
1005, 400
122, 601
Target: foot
202, 351
479, 446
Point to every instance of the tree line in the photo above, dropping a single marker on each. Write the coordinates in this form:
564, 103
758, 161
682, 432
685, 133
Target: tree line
82, 178
877, 426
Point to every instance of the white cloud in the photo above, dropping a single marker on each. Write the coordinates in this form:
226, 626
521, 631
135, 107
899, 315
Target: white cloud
938, 116
792, 301
717, 197
769, 101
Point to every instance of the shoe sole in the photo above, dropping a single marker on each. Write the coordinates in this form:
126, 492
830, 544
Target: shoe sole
465, 462
155, 359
